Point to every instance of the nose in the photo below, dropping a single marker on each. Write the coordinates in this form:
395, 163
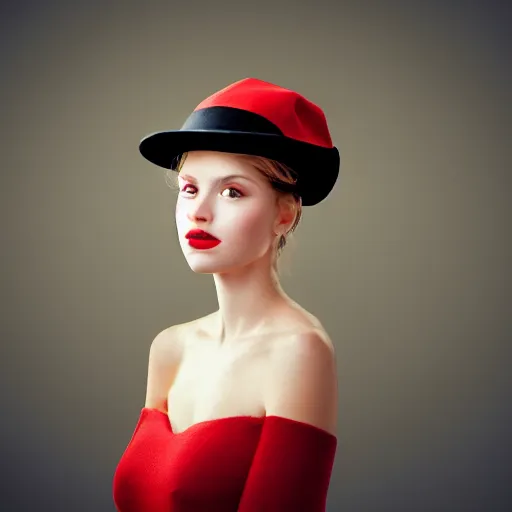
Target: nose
199, 211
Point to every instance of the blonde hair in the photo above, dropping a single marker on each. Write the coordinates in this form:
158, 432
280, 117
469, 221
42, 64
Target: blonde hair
281, 177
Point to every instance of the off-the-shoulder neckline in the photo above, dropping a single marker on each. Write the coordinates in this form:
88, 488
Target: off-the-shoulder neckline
259, 419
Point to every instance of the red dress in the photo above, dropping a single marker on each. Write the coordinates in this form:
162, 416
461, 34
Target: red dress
239, 463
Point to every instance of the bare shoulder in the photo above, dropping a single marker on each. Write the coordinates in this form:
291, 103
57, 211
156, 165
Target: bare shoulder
164, 342
170, 342
165, 355
303, 383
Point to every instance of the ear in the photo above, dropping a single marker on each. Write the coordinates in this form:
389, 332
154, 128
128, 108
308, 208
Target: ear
286, 214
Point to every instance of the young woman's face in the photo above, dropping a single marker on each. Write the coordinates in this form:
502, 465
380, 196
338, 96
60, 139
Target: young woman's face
225, 196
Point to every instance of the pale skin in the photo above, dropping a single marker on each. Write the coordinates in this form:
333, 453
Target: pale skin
260, 353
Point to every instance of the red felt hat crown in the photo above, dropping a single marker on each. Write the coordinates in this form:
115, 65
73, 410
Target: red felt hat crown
257, 118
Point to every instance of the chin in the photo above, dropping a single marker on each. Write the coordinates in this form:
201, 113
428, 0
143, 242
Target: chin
221, 262
209, 263
202, 266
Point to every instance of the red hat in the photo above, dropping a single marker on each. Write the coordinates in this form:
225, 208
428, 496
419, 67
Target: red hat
257, 118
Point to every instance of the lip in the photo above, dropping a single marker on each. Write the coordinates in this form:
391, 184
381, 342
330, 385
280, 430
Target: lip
197, 243
200, 239
200, 234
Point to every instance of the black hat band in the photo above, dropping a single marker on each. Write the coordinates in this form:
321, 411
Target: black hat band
229, 119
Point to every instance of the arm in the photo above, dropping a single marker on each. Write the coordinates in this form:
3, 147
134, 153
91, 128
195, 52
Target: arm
292, 465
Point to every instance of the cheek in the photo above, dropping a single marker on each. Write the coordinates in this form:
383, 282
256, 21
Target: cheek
251, 225
180, 215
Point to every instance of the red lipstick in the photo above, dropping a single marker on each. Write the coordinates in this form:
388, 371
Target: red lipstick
200, 239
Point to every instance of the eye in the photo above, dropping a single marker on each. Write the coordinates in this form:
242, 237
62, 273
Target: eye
235, 190
184, 188
230, 195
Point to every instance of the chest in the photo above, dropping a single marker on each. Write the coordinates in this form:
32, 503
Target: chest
212, 384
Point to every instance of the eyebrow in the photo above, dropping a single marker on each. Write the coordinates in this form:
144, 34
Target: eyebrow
224, 179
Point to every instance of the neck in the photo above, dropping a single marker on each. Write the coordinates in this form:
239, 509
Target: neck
248, 298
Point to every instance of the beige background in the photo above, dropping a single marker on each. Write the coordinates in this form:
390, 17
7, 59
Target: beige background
406, 263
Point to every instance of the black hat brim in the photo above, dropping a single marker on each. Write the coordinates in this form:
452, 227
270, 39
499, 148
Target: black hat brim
317, 167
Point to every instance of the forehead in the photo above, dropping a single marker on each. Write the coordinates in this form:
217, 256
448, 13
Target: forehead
205, 165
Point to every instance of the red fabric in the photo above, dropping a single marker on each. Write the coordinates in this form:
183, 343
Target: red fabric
241, 463
276, 104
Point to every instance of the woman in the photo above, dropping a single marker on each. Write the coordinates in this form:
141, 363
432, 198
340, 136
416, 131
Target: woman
241, 405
